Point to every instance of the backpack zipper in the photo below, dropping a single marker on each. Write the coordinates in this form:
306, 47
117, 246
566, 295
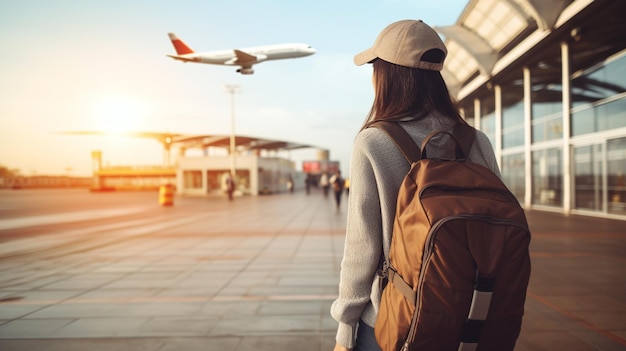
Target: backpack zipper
460, 191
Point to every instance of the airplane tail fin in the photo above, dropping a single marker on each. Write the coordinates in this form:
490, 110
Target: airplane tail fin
179, 45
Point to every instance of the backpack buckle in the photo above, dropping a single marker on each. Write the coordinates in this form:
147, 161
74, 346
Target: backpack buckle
383, 275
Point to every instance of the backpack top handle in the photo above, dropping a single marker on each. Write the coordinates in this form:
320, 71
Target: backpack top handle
458, 150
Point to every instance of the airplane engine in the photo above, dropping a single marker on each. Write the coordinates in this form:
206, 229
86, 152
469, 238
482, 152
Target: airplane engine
245, 71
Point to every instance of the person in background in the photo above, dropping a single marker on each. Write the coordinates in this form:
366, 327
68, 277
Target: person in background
307, 183
290, 184
230, 186
407, 58
324, 183
337, 183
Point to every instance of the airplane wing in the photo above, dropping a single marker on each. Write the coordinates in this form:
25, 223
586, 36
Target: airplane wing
244, 58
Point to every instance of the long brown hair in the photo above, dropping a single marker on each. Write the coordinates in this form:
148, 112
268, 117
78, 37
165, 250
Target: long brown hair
403, 91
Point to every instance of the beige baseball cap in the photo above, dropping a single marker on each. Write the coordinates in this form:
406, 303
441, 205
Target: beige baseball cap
403, 43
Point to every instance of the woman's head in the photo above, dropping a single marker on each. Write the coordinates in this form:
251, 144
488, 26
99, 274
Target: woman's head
407, 57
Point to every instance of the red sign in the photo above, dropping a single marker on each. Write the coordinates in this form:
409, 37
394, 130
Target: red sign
318, 167
311, 166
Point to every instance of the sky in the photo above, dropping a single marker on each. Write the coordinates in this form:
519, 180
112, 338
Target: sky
93, 65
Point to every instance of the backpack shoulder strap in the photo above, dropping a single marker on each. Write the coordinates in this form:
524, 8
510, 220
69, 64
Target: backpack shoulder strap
401, 138
465, 134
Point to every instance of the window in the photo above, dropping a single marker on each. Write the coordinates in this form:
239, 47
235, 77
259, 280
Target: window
513, 125
192, 179
599, 98
513, 174
547, 111
547, 177
588, 177
616, 166
600, 82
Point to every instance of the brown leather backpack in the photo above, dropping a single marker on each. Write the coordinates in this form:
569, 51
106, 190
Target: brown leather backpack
459, 263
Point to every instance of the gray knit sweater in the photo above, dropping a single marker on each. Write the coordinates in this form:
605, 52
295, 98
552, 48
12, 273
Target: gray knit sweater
376, 171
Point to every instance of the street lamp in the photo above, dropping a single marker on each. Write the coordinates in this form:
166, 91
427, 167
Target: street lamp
232, 89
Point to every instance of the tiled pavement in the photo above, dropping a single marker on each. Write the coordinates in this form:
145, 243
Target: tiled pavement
260, 273
254, 274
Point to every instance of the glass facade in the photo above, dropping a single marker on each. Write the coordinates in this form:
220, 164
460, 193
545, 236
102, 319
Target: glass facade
598, 166
555, 111
513, 174
596, 148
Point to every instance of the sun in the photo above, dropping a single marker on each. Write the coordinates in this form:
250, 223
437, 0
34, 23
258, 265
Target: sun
118, 114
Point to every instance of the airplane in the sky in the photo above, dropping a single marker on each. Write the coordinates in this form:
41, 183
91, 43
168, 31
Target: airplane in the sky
244, 58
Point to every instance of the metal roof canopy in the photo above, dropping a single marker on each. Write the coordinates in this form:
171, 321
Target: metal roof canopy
245, 142
479, 51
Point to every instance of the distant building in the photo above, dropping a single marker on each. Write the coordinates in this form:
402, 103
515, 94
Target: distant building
259, 168
129, 177
44, 181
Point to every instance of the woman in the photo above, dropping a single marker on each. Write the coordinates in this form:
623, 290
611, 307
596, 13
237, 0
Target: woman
407, 58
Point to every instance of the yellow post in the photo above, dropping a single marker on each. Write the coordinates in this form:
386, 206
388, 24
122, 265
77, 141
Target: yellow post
166, 195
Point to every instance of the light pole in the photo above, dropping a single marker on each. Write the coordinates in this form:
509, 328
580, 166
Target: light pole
232, 89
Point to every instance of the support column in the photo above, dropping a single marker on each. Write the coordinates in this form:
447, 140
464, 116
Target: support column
566, 84
166, 154
528, 162
232, 89
180, 181
96, 167
477, 114
497, 91
205, 180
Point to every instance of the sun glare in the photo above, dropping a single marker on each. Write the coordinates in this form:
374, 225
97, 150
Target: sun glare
118, 114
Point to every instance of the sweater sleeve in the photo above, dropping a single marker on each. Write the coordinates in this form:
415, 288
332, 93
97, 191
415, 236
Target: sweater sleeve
363, 247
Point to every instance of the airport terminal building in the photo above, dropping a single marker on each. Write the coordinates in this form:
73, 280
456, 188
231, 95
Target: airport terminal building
546, 81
